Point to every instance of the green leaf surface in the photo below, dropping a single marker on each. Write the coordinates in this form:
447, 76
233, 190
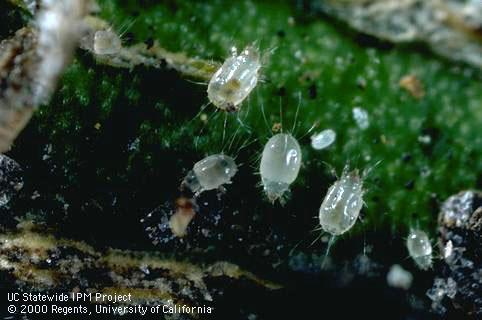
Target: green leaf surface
137, 132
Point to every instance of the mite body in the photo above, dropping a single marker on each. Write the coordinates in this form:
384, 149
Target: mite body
210, 173
342, 204
106, 42
420, 249
235, 79
280, 165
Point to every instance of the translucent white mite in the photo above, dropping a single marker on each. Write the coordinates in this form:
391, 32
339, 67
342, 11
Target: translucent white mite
420, 249
280, 165
342, 204
210, 173
361, 118
106, 42
236, 78
323, 139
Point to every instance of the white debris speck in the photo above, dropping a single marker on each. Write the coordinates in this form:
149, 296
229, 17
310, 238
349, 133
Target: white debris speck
11, 180
134, 145
398, 277
451, 289
4, 199
425, 139
323, 139
457, 212
48, 151
448, 250
361, 118
145, 268
35, 195
440, 289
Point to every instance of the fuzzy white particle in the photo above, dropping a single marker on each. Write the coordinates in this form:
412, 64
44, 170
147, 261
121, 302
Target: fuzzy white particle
361, 118
398, 277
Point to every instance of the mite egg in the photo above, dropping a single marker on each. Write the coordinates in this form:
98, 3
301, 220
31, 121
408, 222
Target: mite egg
210, 173
420, 249
323, 139
106, 42
342, 204
234, 81
280, 165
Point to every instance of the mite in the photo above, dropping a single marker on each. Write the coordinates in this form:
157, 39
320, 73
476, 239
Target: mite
106, 42
280, 165
420, 249
342, 204
210, 173
235, 79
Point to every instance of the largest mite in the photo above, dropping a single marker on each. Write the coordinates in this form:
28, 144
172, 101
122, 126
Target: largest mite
235, 79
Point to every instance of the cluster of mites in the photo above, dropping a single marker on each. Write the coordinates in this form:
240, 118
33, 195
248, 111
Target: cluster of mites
59, 23
279, 167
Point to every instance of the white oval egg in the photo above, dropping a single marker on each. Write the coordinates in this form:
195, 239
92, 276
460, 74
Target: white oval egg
323, 139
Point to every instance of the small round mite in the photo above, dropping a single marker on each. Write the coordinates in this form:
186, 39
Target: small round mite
420, 249
235, 79
210, 173
342, 204
106, 42
280, 165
